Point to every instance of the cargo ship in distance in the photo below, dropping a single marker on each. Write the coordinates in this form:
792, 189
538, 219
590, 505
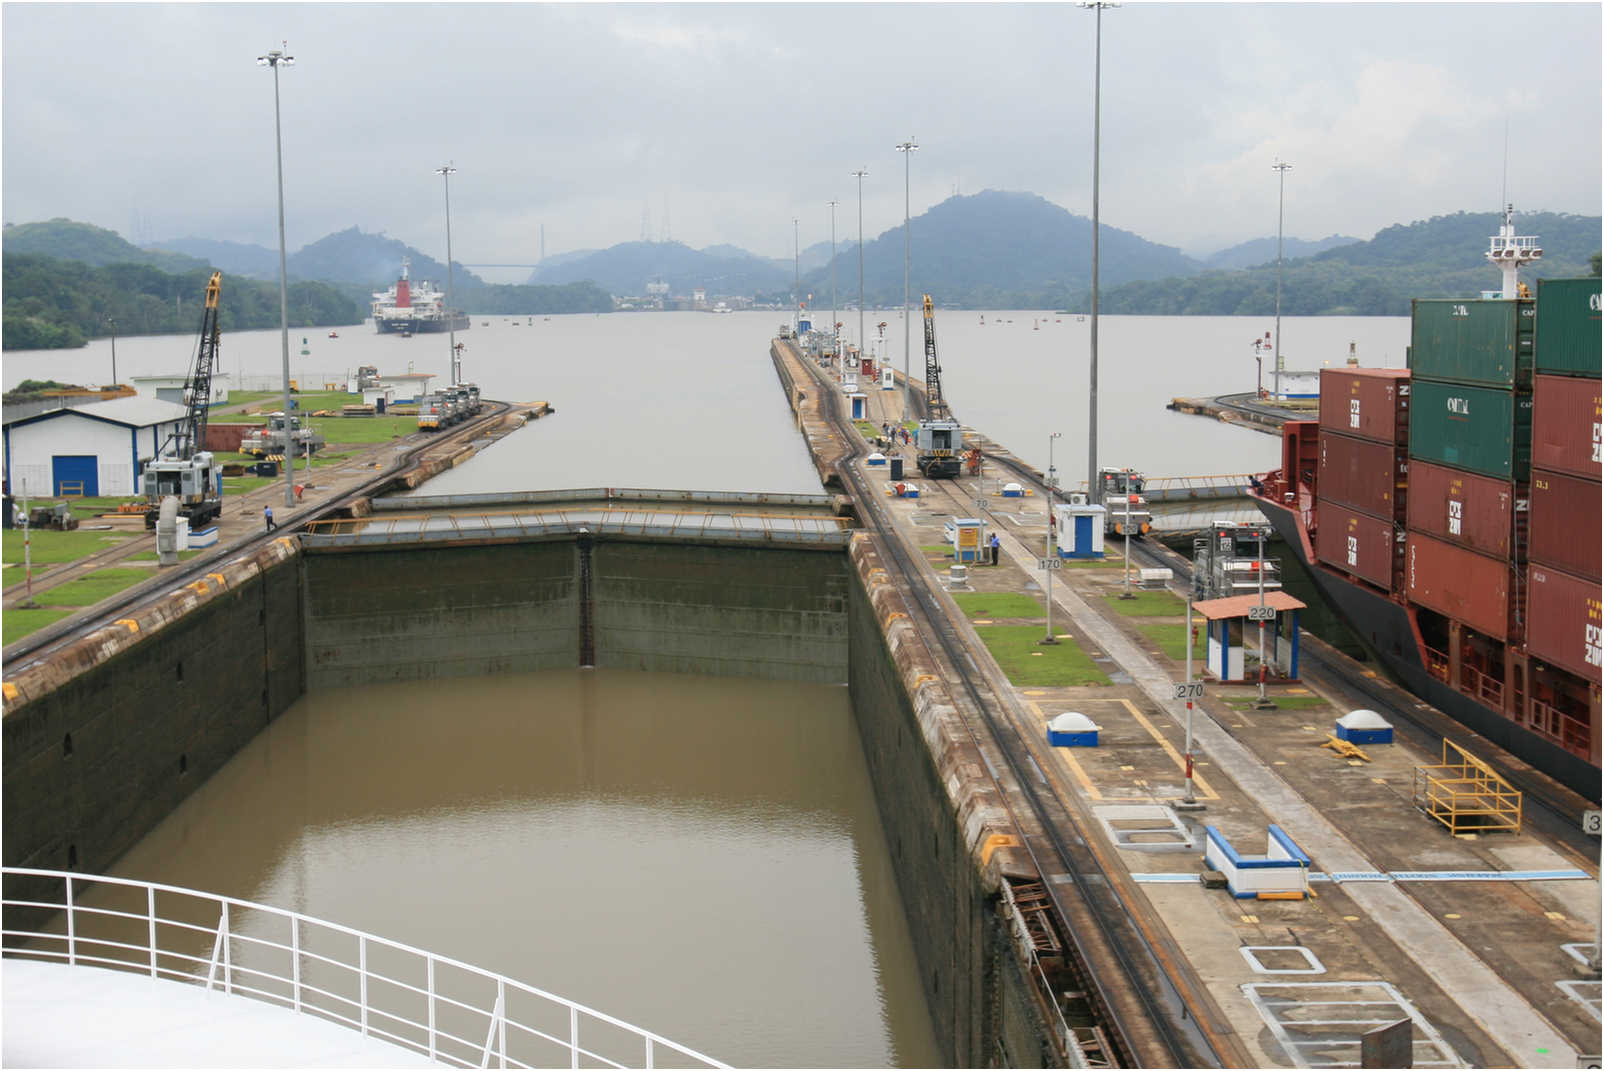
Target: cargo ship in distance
406, 308
1450, 512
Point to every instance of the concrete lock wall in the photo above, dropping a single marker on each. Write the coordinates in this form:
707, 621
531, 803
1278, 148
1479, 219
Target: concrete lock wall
91, 765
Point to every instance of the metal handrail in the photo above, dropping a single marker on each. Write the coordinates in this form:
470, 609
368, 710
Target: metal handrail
622, 520
90, 935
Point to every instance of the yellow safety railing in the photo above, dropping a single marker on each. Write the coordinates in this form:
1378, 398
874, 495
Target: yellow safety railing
72, 489
1466, 795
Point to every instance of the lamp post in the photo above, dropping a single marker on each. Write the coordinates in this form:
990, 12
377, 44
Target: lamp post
835, 330
796, 287
1051, 558
1097, 136
113, 350
907, 148
451, 325
1281, 168
862, 171
275, 59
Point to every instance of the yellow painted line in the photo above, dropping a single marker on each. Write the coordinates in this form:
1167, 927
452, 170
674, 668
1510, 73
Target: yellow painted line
1556, 916
1169, 749
1066, 754
9, 690
1251, 919
1452, 915
132, 625
1350, 918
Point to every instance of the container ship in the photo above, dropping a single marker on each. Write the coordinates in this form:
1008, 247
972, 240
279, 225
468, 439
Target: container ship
1450, 512
407, 309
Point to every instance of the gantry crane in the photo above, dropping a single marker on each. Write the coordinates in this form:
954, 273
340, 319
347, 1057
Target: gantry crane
940, 440
183, 468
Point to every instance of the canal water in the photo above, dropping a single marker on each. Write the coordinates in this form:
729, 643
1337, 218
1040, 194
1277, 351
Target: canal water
701, 857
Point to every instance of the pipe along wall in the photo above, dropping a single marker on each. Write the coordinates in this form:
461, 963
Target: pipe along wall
115, 736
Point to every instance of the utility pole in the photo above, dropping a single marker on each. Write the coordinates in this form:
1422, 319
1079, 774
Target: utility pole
1095, 491
1281, 169
907, 148
276, 59
835, 332
796, 287
451, 324
862, 171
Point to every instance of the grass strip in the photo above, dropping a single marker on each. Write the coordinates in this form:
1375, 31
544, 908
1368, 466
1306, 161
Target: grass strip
997, 604
53, 548
19, 623
1027, 662
90, 588
1172, 641
1147, 604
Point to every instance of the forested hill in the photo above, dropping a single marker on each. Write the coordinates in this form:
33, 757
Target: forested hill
54, 304
69, 240
1439, 257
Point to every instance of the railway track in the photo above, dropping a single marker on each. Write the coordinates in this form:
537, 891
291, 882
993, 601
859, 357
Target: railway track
47, 640
1137, 985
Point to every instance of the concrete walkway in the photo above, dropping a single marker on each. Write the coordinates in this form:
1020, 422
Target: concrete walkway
1502, 1011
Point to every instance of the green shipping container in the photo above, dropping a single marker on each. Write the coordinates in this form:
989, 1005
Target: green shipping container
1488, 342
1479, 429
1568, 328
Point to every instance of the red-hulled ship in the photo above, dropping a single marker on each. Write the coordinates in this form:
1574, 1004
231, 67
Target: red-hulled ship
1450, 512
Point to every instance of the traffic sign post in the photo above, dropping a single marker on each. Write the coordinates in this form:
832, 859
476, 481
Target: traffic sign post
1261, 613
1190, 691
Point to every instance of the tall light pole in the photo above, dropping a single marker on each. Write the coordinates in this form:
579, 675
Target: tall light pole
796, 287
113, 350
451, 324
1092, 484
907, 148
275, 59
1281, 169
859, 173
835, 333
1049, 560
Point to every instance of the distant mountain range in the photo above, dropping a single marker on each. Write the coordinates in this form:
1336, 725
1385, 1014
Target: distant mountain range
992, 249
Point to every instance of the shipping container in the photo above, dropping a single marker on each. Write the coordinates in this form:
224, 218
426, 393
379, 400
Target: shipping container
1477, 428
1357, 544
1562, 620
1564, 525
1463, 508
1487, 342
1360, 474
1565, 425
1370, 403
1568, 327
1458, 583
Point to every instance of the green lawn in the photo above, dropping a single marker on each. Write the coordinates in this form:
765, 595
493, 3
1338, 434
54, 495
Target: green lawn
1172, 640
53, 548
997, 604
1026, 661
1147, 604
90, 588
18, 623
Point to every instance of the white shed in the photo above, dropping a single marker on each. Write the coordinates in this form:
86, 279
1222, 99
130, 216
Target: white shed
171, 388
408, 386
90, 450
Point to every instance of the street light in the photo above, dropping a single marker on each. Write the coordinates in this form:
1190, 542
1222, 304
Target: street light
1097, 137
1281, 168
862, 171
835, 331
451, 325
113, 350
1051, 558
796, 288
907, 148
275, 59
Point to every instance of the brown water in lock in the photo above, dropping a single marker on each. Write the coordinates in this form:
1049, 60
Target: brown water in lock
699, 856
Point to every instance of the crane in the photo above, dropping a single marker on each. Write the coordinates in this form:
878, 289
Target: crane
940, 440
183, 469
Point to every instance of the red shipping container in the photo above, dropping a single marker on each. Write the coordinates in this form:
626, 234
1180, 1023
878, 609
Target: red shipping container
1463, 508
1562, 620
1565, 425
1356, 543
1369, 403
1359, 473
1458, 583
1564, 526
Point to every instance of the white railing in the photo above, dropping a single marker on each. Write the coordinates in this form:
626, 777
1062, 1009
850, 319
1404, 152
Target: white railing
454, 1013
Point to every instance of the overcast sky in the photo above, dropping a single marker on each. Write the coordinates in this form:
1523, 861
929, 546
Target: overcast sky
724, 122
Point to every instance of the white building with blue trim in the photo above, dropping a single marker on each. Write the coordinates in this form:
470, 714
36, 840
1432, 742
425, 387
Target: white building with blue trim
91, 450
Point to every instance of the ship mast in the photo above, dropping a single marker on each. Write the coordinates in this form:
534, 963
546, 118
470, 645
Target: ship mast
1509, 253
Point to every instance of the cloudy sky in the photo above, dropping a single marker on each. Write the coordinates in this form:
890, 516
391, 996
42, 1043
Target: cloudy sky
720, 123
